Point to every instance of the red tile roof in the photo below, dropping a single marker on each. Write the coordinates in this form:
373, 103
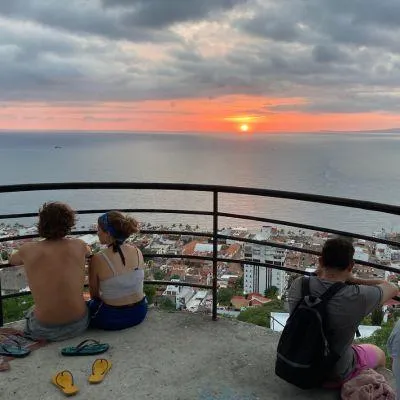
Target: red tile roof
239, 301
188, 249
256, 297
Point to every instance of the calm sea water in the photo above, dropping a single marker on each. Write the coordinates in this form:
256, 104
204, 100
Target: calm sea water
360, 166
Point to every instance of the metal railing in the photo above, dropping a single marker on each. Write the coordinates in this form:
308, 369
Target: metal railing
274, 320
216, 214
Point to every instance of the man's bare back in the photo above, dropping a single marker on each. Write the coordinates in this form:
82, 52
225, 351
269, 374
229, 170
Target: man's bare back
56, 271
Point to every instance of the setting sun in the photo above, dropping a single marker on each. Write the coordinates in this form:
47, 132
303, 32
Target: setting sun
244, 128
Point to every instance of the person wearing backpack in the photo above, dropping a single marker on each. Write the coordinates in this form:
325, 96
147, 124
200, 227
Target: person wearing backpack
316, 347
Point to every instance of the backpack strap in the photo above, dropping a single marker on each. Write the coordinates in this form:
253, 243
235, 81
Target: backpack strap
327, 295
332, 291
305, 286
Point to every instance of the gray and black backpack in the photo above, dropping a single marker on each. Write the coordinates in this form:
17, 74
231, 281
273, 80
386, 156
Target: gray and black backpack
304, 354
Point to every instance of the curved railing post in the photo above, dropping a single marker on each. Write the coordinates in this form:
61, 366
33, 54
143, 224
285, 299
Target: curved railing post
215, 255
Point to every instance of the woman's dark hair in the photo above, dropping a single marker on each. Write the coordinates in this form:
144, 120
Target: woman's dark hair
122, 225
55, 220
337, 253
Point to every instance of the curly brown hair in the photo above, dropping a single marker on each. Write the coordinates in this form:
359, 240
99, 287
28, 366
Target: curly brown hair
56, 220
123, 225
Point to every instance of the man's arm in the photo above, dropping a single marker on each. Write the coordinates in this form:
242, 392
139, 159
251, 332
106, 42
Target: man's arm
388, 289
369, 282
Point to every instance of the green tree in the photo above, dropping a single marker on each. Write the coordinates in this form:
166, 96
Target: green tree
225, 296
159, 275
175, 276
150, 291
271, 292
14, 308
366, 320
261, 315
4, 255
239, 285
166, 303
377, 317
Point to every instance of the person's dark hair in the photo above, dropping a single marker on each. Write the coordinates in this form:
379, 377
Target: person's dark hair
55, 220
337, 253
123, 225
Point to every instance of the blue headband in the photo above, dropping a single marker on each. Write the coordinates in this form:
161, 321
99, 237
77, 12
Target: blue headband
107, 227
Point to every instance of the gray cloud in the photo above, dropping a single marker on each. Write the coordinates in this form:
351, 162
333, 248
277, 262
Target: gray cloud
161, 13
329, 54
342, 56
78, 16
357, 22
136, 20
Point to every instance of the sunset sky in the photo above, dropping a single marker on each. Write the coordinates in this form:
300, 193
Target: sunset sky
199, 65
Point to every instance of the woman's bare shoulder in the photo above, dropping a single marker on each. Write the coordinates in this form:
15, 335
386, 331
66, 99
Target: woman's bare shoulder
134, 250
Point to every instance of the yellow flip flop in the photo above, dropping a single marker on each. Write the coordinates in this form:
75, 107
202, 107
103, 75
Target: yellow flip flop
100, 368
65, 382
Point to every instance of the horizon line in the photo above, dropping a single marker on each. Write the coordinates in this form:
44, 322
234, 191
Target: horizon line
82, 131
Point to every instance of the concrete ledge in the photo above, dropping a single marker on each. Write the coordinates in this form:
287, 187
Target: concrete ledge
171, 356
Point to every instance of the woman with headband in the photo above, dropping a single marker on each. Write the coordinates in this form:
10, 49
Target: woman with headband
116, 276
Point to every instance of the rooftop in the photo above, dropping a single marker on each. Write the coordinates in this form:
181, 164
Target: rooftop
170, 356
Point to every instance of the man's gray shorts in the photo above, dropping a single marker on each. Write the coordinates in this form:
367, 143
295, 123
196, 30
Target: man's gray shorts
36, 330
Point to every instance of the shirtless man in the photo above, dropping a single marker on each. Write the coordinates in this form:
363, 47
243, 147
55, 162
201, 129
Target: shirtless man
55, 272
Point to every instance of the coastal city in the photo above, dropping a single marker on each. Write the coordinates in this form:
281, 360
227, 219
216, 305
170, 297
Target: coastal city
240, 286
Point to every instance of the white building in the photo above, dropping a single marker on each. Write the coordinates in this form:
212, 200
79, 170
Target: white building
159, 248
258, 279
180, 294
383, 252
361, 253
223, 280
380, 234
205, 248
196, 301
395, 255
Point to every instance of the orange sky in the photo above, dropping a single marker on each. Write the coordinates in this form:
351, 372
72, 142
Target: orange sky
205, 68
224, 114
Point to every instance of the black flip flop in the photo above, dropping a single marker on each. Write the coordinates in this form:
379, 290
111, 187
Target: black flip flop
88, 347
13, 351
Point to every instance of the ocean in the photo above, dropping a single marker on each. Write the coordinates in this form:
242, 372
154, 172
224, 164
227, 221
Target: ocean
360, 166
